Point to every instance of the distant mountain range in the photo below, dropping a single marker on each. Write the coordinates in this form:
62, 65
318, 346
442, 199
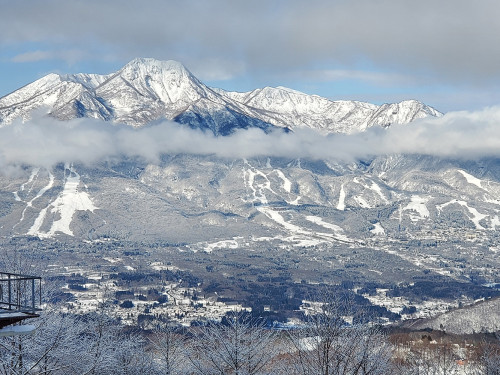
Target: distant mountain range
148, 90
404, 229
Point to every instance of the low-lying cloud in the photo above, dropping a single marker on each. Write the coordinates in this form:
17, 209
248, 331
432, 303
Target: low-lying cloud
45, 141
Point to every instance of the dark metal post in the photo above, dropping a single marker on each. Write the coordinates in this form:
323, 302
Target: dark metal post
10, 293
33, 295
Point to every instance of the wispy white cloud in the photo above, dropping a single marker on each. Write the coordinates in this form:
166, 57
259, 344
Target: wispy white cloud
216, 69
67, 55
32, 56
371, 77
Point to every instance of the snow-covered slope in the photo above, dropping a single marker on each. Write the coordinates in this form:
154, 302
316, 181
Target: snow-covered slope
483, 316
284, 107
401, 113
147, 90
281, 106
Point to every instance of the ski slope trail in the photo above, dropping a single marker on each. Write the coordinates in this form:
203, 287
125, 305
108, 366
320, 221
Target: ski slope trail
257, 195
39, 194
70, 200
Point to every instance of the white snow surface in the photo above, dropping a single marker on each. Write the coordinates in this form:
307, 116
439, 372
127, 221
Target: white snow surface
362, 202
287, 184
19, 330
495, 222
471, 179
40, 193
64, 206
337, 231
417, 204
341, 204
378, 230
224, 244
378, 190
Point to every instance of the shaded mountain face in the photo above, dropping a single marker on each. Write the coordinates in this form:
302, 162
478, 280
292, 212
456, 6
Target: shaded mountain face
148, 90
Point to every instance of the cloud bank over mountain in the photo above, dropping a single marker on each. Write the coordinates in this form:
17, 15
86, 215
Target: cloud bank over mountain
44, 141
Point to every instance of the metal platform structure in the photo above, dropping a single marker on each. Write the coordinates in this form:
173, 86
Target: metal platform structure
20, 298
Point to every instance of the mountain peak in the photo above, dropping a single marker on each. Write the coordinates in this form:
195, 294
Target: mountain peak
154, 66
291, 91
168, 80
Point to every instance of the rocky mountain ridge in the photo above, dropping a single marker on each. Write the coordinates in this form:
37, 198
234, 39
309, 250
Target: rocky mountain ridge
148, 90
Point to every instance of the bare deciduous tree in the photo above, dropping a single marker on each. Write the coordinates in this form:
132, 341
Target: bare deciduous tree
490, 358
240, 346
168, 344
328, 346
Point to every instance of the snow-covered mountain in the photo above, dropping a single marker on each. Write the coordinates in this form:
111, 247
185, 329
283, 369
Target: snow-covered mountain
409, 223
147, 90
398, 227
281, 106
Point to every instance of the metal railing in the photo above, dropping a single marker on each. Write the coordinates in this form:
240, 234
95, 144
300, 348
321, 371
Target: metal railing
20, 293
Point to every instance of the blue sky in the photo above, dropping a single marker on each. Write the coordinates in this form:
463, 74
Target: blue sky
443, 53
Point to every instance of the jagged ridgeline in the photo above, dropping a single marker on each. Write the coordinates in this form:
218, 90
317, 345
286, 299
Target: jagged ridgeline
147, 90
